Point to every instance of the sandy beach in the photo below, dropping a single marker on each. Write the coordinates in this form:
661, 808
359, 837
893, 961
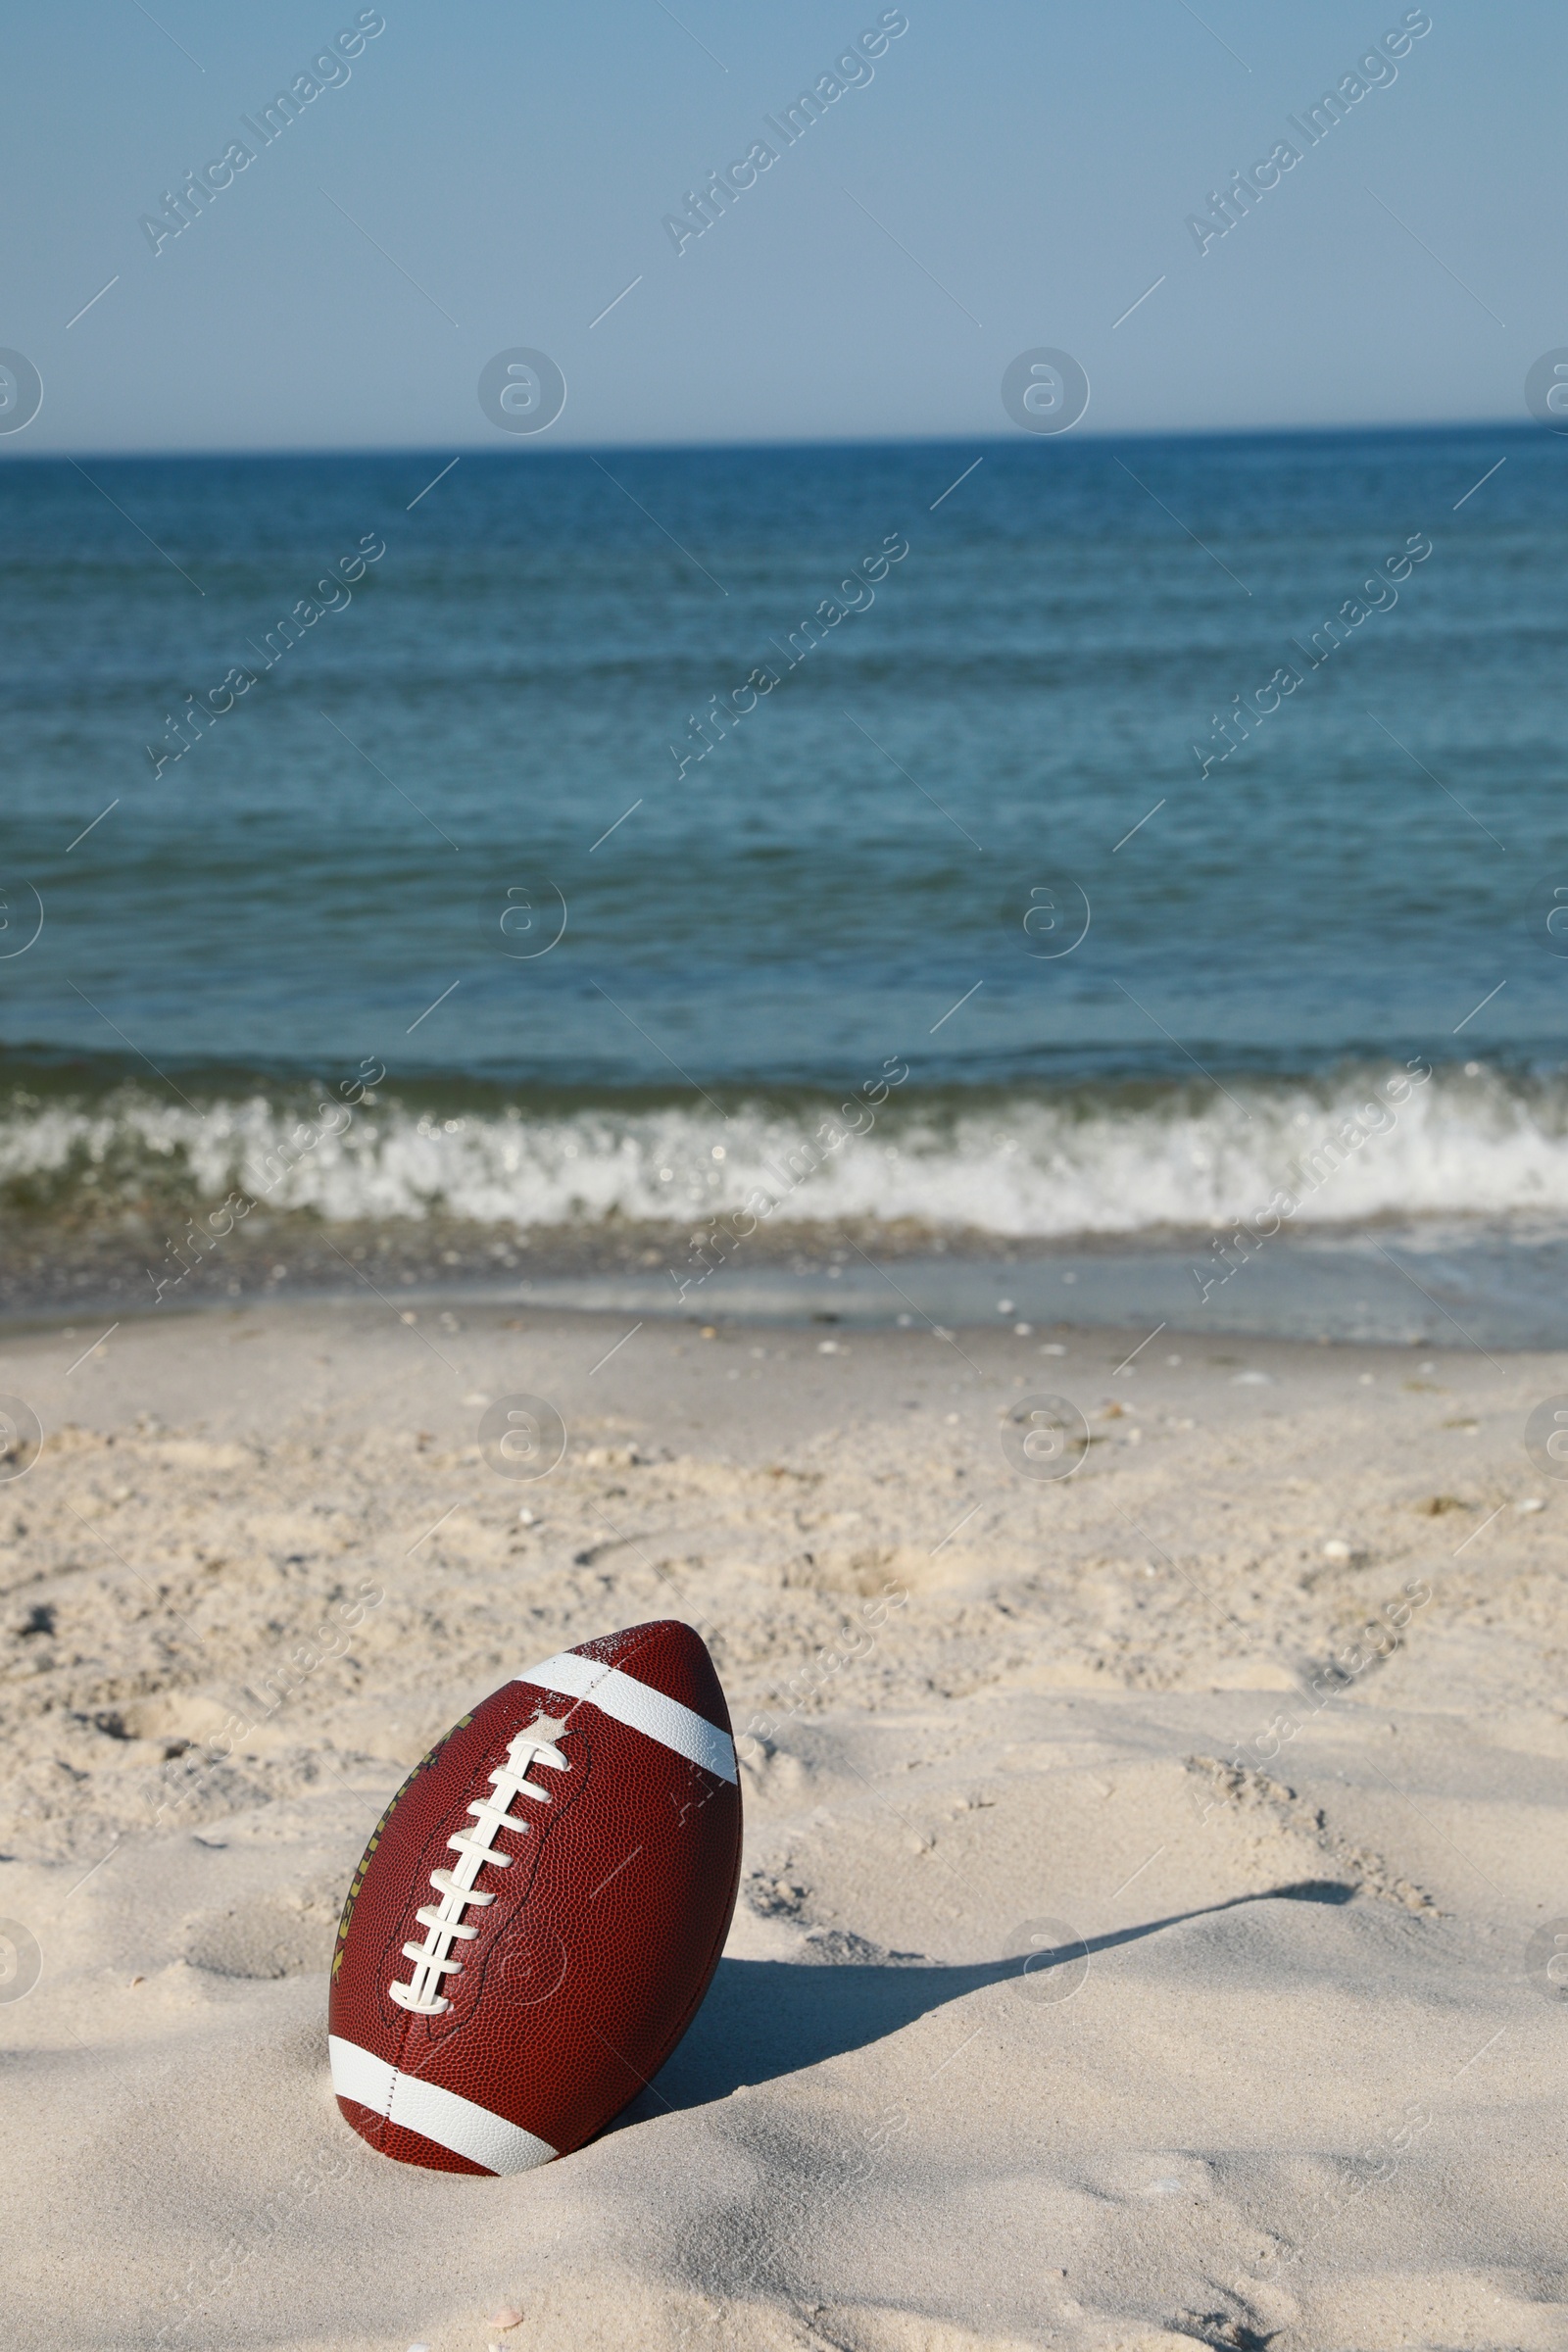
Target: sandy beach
1150, 1872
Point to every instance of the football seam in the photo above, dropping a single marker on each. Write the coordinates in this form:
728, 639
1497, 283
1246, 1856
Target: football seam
716, 1954
385, 2118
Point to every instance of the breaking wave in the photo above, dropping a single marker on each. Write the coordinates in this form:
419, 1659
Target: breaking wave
1023, 1162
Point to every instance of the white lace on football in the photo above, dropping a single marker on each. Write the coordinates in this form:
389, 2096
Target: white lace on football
475, 1848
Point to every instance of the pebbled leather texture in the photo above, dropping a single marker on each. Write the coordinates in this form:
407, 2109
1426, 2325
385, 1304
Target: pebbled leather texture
606, 1929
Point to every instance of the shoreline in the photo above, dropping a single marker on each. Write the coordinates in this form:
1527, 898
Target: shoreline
1500, 1286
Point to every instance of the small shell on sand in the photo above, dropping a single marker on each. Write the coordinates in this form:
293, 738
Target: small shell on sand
506, 2317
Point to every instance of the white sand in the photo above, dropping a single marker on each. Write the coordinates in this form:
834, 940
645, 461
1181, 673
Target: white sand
1332, 2121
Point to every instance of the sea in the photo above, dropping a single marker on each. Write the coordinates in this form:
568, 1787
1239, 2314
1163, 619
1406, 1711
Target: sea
1066, 880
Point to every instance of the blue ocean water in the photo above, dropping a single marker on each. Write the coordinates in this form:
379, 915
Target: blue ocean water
453, 808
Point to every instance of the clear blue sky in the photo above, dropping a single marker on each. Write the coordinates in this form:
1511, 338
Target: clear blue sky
1025, 172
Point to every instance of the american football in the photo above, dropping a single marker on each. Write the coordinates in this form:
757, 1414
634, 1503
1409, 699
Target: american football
541, 1908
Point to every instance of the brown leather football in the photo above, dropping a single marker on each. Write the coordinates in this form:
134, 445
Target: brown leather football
541, 1908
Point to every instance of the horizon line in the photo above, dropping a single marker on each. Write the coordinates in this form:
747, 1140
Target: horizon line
526, 453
